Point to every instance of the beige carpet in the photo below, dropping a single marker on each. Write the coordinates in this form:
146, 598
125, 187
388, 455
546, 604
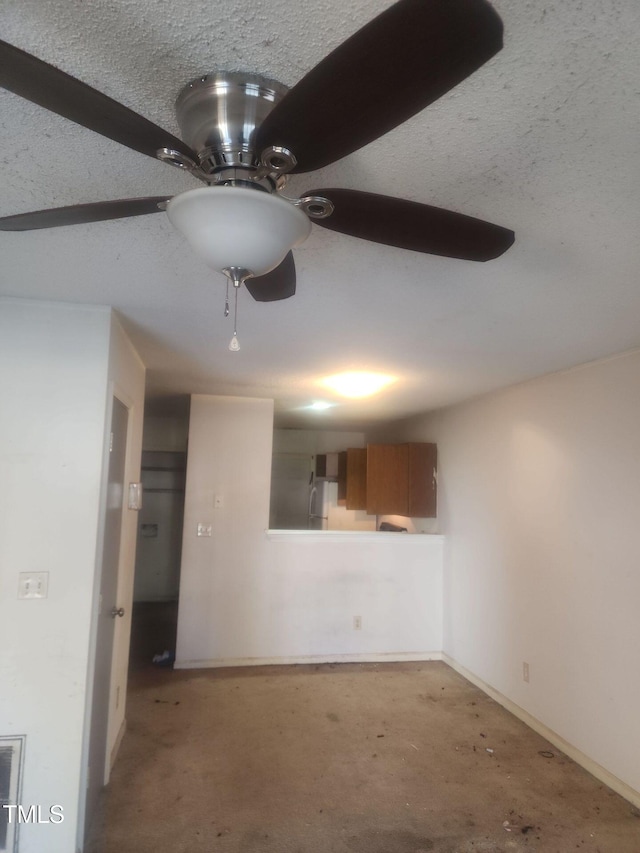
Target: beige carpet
393, 758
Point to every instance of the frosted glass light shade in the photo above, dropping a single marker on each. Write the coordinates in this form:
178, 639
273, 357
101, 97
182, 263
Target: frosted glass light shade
236, 227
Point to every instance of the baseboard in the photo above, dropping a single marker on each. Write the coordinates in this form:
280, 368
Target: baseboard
392, 657
559, 742
116, 745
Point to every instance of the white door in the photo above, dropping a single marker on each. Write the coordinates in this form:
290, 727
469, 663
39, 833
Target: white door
109, 611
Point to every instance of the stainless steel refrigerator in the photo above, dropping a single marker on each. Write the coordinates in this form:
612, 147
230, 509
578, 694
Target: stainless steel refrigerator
319, 501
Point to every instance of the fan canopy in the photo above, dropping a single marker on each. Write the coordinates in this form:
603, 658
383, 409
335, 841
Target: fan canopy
219, 115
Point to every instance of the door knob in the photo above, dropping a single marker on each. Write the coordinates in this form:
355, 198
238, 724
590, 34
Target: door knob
117, 611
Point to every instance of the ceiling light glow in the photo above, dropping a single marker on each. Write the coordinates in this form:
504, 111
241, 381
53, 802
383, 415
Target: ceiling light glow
358, 383
320, 406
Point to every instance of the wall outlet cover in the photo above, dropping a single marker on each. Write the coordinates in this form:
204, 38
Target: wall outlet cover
33, 585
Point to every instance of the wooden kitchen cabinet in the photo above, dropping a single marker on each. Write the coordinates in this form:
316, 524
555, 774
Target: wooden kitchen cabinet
401, 479
356, 495
423, 480
321, 465
327, 465
387, 479
342, 478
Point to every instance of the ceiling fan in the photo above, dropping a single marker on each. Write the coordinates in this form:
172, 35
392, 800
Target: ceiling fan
244, 134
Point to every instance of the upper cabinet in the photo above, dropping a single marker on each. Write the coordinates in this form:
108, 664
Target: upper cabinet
342, 478
356, 494
327, 465
401, 479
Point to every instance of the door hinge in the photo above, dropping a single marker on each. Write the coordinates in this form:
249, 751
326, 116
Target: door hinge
110, 442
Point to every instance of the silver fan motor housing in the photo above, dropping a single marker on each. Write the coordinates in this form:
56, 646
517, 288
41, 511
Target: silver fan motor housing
218, 115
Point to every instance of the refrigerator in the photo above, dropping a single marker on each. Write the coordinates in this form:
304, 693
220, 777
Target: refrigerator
319, 500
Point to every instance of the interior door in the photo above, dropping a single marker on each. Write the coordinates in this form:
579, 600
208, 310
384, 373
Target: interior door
108, 610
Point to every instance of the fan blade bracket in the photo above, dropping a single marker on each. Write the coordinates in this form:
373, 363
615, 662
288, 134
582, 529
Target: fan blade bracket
315, 206
176, 158
277, 160
274, 164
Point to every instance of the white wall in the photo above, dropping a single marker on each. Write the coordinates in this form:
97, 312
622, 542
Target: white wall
229, 456
53, 393
539, 496
313, 585
315, 440
59, 367
245, 597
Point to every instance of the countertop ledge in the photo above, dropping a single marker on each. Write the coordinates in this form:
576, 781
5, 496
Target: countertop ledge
354, 535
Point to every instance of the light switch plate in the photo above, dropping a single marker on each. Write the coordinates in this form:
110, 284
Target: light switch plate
204, 529
135, 496
33, 584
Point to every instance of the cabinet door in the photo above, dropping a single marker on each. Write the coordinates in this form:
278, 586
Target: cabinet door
356, 478
422, 480
342, 477
388, 479
321, 465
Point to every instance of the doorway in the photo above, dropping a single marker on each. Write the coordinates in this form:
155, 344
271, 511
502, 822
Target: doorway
158, 557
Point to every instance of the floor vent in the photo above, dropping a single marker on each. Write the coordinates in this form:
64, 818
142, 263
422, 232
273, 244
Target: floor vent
11, 756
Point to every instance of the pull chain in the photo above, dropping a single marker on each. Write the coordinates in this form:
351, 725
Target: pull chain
234, 345
236, 275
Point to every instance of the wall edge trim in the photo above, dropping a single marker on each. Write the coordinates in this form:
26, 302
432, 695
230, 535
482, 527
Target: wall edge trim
118, 741
587, 763
357, 536
386, 657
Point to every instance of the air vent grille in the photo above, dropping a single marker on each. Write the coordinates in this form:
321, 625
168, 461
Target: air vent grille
11, 755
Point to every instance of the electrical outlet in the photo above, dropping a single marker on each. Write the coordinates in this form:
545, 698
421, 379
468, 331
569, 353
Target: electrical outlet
204, 529
357, 623
525, 672
33, 584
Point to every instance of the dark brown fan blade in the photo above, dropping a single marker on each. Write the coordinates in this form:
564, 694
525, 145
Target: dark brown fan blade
78, 214
51, 88
280, 283
409, 225
389, 70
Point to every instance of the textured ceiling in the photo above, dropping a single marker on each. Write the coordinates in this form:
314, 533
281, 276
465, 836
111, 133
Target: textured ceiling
544, 139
